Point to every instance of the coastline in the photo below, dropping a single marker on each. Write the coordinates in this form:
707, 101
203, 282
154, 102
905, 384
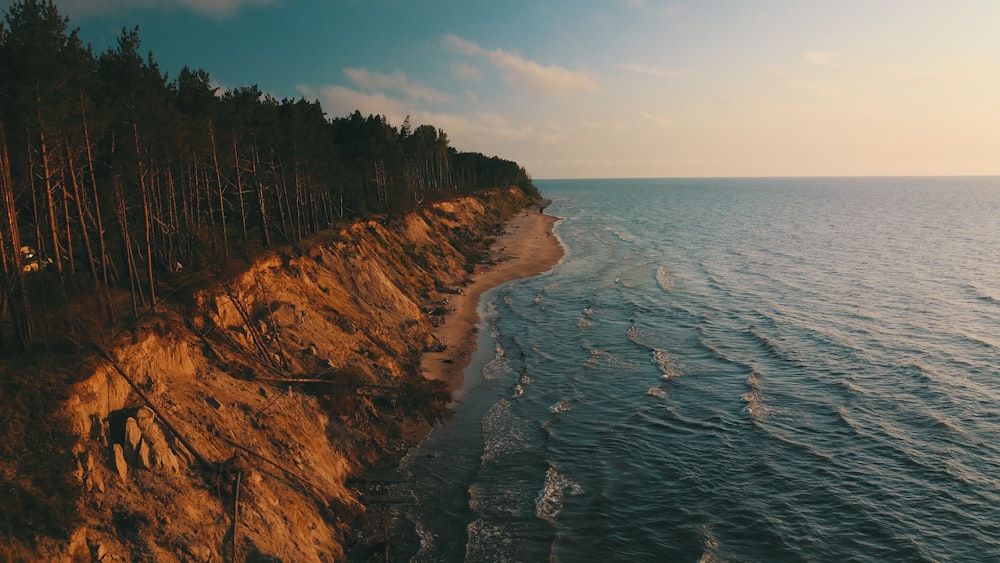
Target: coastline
527, 247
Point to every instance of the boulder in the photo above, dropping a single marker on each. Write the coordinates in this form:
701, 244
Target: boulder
119, 460
132, 438
143, 456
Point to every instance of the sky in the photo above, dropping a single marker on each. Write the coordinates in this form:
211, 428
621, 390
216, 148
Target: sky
617, 88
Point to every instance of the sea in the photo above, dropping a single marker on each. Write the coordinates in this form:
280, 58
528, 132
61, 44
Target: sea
765, 369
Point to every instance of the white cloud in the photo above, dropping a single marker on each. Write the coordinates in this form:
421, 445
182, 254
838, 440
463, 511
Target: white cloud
339, 101
465, 131
819, 57
546, 79
467, 72
397, 81
648, 69
551, 80
462, 46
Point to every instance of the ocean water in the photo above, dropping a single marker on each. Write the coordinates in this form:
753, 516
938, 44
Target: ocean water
734, 370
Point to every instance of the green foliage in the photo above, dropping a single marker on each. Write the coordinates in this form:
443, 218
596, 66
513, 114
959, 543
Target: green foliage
121, 182
118, 173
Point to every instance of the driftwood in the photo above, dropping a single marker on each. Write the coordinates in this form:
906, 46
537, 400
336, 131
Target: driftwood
236, 511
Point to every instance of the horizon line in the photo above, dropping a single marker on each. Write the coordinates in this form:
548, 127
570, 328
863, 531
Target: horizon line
769, 177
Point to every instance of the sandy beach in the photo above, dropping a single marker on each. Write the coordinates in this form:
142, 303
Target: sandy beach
526, 248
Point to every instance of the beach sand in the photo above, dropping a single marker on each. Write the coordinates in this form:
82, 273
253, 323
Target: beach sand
526, 248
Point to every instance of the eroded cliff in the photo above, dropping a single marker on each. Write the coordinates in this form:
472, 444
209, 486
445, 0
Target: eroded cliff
229, 423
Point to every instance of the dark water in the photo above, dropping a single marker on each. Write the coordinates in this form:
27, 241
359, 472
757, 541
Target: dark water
732, 370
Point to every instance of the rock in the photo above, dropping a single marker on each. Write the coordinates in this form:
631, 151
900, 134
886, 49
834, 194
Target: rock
92, 478
78, 550
164, 458
181, 453
143, 455
200, 553
132, 438
119, 461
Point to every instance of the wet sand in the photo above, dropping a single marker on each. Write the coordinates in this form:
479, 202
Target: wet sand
526, 248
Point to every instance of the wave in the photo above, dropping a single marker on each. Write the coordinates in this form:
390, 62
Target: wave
488, 542
550, 499
984, 294
710, 546
634, 334
561, 407
661, 358
666, 363
503, 431
754, 398
981, 340
499, 367
663, 279
851, 386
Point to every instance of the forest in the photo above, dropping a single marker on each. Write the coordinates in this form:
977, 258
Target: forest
115, 178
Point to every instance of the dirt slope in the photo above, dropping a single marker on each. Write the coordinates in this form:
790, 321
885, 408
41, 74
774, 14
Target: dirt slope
234, 420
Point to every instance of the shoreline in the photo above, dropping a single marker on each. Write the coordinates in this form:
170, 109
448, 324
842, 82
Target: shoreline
526, 248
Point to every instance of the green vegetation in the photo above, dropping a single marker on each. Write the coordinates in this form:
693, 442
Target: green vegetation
118, 185
113, 176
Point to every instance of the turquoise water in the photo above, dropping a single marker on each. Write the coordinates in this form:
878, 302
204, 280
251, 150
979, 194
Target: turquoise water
733, 370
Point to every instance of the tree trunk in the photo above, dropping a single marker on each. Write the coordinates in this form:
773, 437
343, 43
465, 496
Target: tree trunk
239, 190
144, 189
17, 297
99, 221
220, 187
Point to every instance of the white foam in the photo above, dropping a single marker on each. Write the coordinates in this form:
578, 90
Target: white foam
556, 488
498, 367
754, 398
666, 363
487, 542
503, 433
658, 392
560, 407
663, 279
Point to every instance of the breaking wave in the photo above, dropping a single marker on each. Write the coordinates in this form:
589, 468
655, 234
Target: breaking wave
556, 488
663, 279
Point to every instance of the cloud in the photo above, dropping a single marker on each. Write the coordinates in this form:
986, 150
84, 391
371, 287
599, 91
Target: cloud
647, 69
819, 57
467, 72
658, 119
78, 8
340, 101
551, 80
397, 81
462, 46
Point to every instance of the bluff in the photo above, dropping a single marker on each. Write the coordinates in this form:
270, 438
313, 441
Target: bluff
229, 422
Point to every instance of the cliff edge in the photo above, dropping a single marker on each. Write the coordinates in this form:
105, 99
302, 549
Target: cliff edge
227, 425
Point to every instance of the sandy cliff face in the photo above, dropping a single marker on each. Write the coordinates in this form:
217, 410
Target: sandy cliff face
232, 420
